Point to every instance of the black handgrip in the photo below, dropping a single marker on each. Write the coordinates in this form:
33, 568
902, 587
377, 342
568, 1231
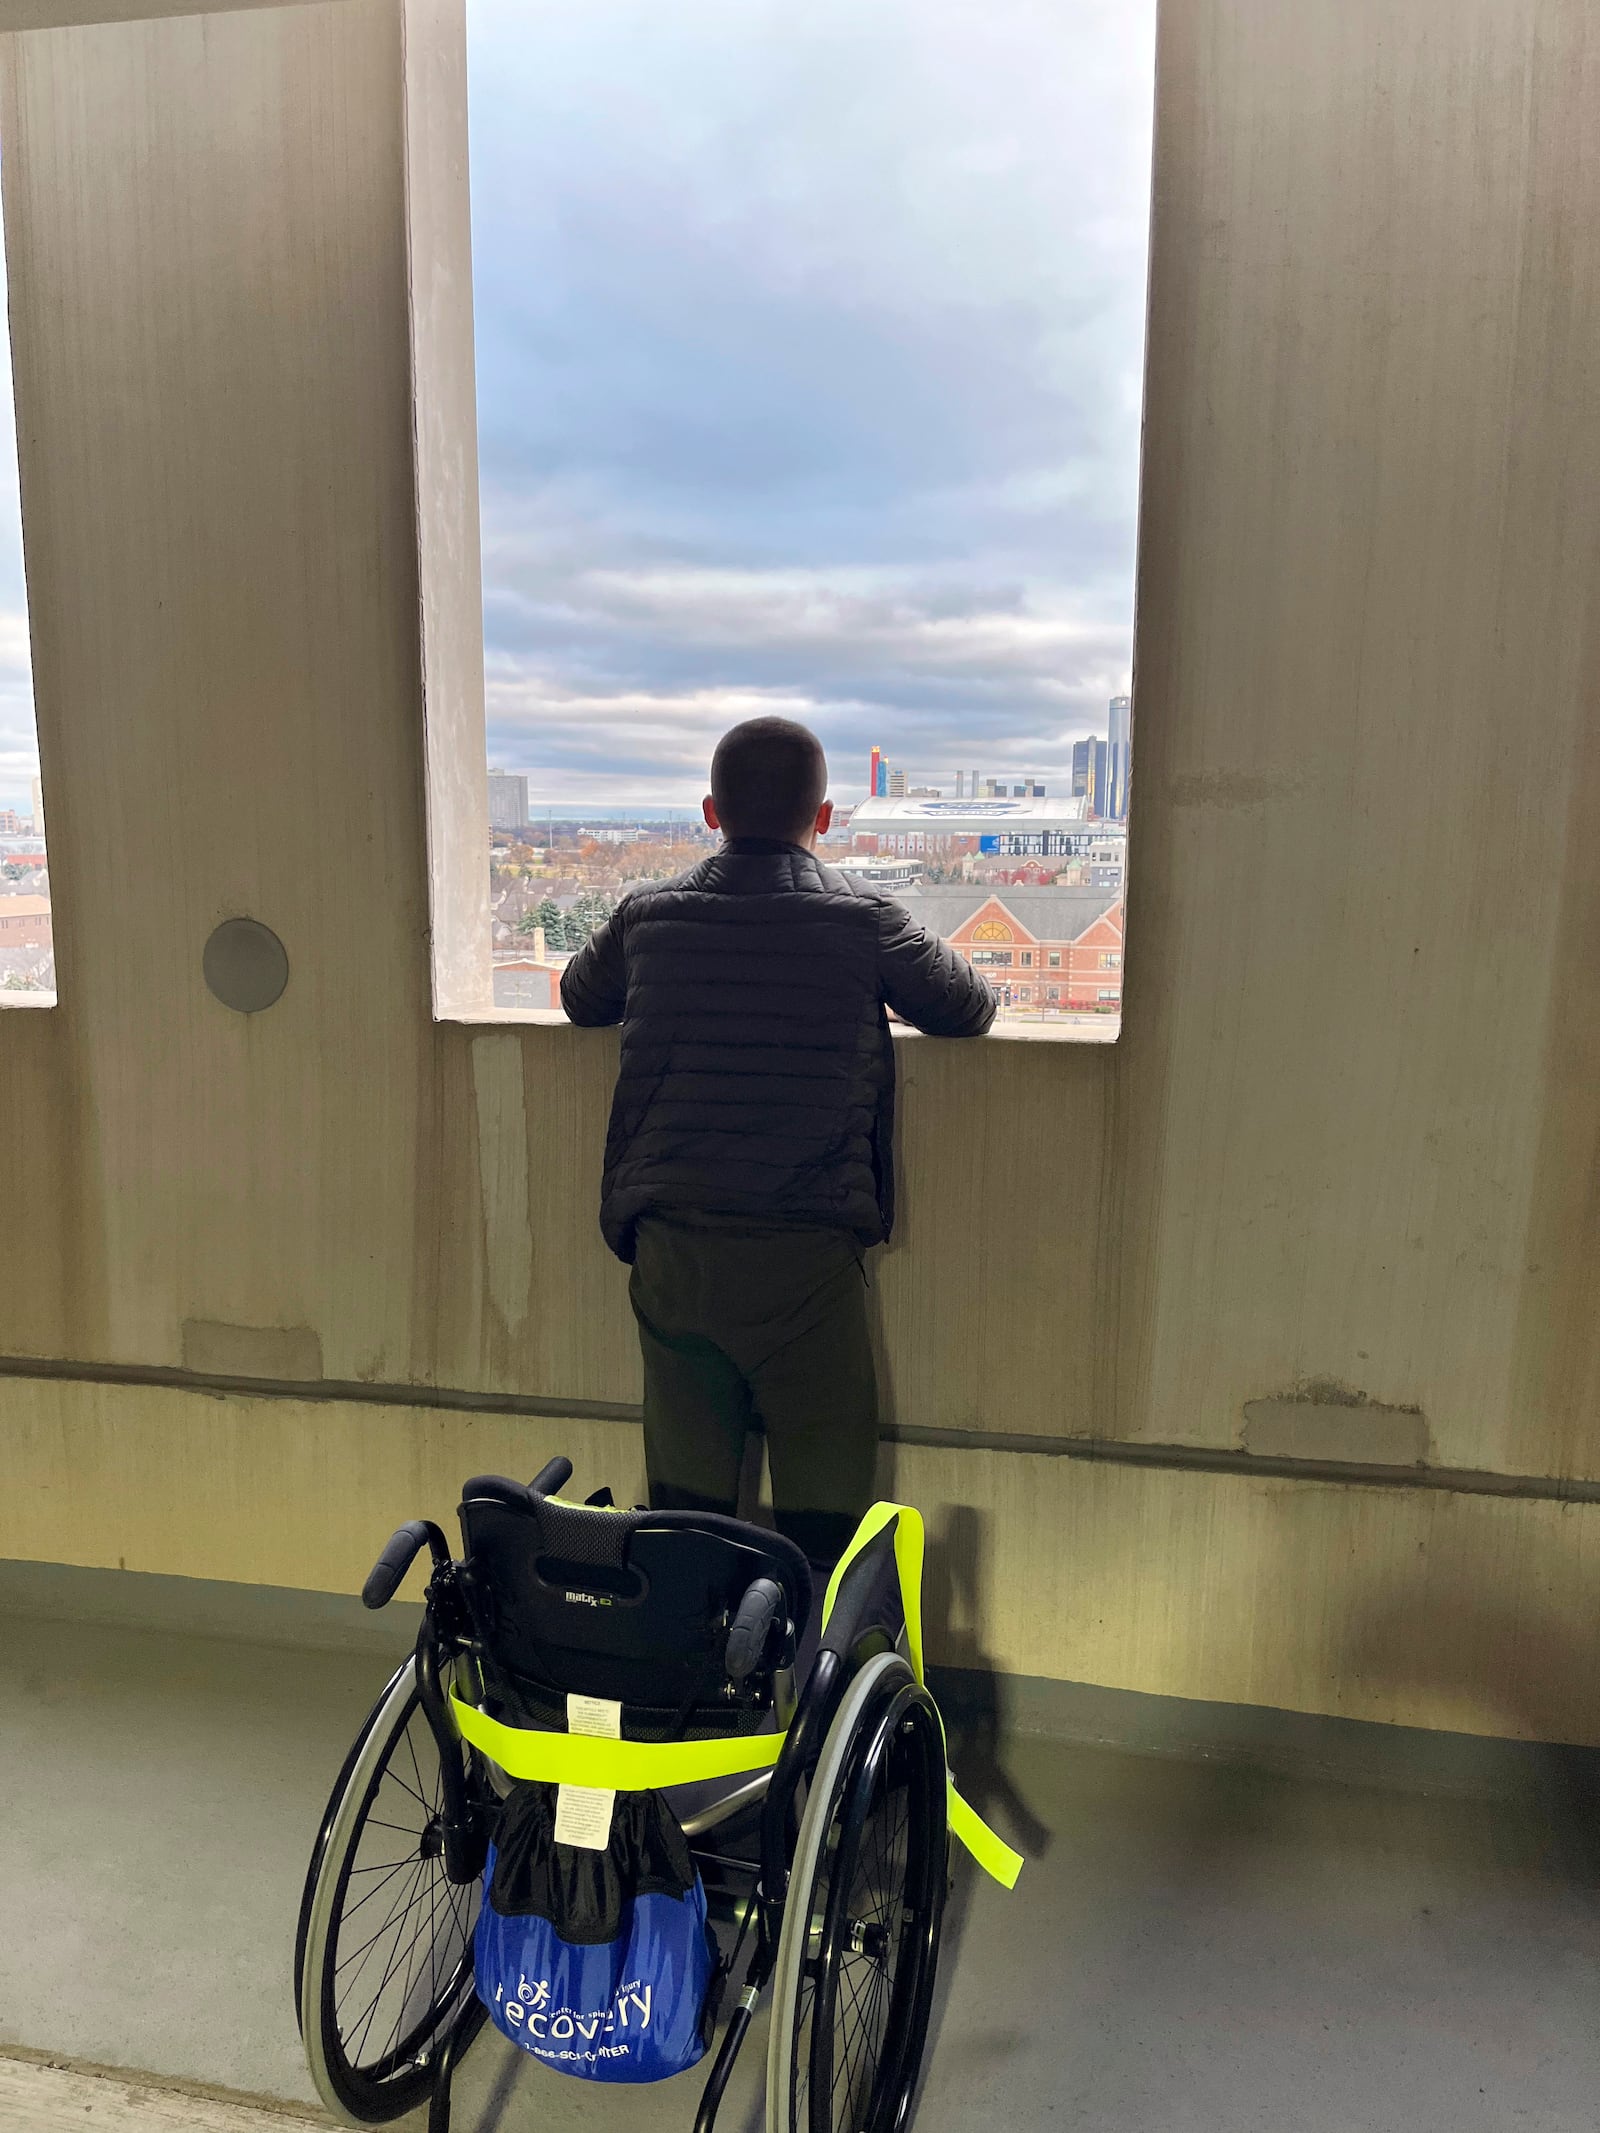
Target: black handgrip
398, 1556
552, 1477
752, 1625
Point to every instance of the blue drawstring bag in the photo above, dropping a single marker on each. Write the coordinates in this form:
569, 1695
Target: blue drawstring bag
599, 1963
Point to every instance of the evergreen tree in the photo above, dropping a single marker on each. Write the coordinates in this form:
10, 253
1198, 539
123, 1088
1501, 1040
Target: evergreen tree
548, 915
588, 914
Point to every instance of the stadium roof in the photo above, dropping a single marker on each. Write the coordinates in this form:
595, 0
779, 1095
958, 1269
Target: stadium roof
964, 817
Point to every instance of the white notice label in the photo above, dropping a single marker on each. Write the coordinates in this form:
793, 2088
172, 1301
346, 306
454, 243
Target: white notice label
594, 1716
584, 1817
583, 1813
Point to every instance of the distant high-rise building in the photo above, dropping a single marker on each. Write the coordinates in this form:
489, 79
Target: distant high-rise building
38, 808
508, 800
1119, 747
1090, 774
897, 785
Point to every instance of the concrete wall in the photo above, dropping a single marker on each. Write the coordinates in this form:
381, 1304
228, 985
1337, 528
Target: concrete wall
1349, 1139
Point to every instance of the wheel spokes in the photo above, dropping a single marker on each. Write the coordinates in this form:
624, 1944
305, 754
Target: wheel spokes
420, 1950
866, 1964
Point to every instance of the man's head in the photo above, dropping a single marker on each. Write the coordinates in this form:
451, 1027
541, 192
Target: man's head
769, 778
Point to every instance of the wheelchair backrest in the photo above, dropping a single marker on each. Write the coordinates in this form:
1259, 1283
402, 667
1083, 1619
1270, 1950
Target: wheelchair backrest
632, 1606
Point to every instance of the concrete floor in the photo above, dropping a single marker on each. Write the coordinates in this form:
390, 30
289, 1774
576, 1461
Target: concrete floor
1192, 1949
38, 2097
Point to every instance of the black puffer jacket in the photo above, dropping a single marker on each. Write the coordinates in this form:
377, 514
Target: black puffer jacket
757, 1070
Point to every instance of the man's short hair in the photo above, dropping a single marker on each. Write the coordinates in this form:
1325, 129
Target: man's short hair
769, 777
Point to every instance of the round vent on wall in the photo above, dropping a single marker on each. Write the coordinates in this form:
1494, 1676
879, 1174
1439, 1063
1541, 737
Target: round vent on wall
245, 965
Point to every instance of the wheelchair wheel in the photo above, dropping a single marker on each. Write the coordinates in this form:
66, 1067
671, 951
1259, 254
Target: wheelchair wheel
384, 1965
860, 1941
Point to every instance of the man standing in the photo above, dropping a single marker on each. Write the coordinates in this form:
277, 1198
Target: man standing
749, 1161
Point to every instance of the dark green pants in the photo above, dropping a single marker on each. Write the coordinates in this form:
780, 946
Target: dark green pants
747, 1327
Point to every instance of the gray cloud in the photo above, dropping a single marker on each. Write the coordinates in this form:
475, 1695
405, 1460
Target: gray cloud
584, 678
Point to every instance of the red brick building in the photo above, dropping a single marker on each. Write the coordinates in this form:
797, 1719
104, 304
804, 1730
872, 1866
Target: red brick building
1032, 874
25, 922
1044, 950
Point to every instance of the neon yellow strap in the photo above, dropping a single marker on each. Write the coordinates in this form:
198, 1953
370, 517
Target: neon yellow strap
647, 1766
991, 1852
612, 1765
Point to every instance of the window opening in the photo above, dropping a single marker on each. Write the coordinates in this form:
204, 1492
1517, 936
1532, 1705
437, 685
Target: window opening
810, 352
27, 939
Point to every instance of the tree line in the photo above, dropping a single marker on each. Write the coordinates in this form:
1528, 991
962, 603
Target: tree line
566, 931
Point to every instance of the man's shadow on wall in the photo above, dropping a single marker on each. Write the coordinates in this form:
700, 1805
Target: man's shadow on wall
971, 1691
972, 1699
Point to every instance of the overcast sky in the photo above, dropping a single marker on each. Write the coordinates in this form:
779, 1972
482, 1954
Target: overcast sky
19, 758
809, 353
809, 348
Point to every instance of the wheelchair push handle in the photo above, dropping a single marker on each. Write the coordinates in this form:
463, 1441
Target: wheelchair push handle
552, 1477
751, 1627
399, 1554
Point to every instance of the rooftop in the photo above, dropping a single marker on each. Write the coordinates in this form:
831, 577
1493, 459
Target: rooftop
1048, 914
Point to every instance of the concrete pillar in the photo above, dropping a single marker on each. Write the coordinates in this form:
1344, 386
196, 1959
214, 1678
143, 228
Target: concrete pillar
214, 248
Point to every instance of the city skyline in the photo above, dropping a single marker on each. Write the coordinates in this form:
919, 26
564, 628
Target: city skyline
848, 784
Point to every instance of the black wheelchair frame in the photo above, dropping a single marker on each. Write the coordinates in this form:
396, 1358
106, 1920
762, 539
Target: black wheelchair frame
889, 1748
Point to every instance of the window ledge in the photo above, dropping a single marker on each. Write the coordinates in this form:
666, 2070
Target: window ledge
1086, 1029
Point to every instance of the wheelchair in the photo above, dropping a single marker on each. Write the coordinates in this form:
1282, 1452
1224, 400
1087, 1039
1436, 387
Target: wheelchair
812, 1788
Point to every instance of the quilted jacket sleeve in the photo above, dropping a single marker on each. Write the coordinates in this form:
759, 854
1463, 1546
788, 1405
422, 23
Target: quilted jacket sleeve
927, 983
594, 985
